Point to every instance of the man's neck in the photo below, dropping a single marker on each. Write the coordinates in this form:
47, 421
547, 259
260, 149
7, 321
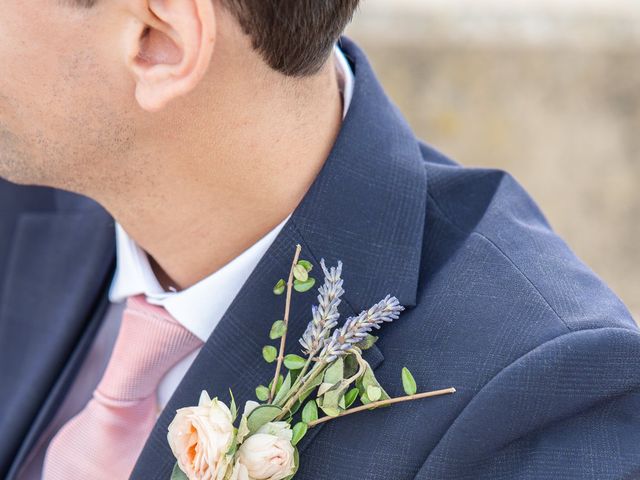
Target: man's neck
198, 197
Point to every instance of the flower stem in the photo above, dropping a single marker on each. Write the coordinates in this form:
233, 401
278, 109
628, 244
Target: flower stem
300, 378
317, 369
283, 339
382, 403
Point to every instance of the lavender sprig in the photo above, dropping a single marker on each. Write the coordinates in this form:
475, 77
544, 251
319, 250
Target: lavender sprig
356, 328
324, 315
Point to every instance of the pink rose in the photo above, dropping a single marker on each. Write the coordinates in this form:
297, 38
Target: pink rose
267, 454
200, 437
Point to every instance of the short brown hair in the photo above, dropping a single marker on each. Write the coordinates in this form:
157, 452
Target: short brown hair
295, 37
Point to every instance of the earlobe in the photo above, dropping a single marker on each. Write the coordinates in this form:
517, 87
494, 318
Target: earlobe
174, 45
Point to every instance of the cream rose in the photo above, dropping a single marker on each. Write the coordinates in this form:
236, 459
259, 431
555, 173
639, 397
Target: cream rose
267, 454
200, 437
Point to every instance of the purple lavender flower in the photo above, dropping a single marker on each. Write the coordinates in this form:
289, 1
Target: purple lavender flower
357, 328
324, 315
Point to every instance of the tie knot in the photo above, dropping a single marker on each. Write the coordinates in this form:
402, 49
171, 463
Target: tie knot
150, 341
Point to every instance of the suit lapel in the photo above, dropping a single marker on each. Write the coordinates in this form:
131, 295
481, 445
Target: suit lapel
50, 307
367, 208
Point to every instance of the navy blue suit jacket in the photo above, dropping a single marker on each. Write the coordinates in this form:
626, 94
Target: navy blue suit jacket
544, 357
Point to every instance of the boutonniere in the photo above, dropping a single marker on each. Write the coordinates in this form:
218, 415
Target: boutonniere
330, 380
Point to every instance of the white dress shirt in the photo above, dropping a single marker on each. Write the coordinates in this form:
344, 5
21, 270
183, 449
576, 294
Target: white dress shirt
198, 308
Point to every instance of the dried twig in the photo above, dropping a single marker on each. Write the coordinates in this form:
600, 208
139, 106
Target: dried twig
285, 320
382, 403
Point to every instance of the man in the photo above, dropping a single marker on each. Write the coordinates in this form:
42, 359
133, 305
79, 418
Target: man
162, 160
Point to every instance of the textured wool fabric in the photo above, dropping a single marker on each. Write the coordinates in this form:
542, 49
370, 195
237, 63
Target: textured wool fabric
105, 438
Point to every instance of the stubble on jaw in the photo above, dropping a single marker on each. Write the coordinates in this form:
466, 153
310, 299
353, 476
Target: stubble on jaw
11, 168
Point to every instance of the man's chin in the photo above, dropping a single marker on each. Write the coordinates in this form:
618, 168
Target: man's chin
15, 172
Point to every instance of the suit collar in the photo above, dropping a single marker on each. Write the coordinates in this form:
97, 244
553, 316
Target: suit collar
368, 202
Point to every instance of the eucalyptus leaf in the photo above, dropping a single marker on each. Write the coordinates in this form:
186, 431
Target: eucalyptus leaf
278, 289
333, 400
262, 415
277, 329
350, 397
331, 411
366, 380
299, 431
408, 382
294, 362
299, 286
306, 264
306, 391
284, 388
262, 393
310, 387
300, 273
269, 353
335, 372
178, 474
374, 393
351, 365
324, 388
310, 412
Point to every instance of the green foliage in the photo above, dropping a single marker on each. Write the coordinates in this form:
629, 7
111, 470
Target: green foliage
350, 397
408, 382
277, 329
284, 388
300, 273
233, 407
374, 393
269, 353
278, 289
310, 412
300, 286
262, 415
368, 379
306, 264
335, 372
331, 391
262, 393
294, 362
299, 431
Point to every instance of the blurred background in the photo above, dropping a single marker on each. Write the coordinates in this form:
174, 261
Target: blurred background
548, 90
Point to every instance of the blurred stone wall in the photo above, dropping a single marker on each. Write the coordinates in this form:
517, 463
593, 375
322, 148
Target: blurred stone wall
548, 90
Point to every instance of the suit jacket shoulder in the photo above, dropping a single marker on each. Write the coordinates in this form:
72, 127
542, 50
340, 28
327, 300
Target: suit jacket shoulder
490, 206
544, 356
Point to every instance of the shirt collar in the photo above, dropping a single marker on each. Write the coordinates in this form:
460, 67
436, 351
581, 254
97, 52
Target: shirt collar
200, 307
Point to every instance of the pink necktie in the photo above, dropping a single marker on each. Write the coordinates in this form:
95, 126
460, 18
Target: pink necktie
104, 440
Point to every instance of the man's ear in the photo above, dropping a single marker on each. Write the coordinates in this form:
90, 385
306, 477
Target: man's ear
170, 48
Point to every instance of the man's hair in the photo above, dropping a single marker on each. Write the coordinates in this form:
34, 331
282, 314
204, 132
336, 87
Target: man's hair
295, 37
